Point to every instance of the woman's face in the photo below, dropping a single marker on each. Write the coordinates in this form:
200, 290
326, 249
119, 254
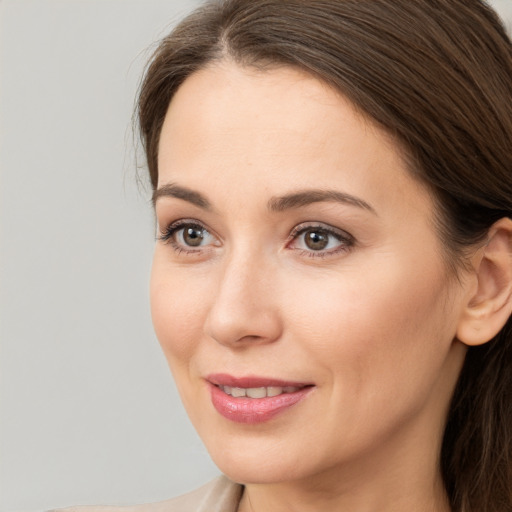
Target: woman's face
298, 265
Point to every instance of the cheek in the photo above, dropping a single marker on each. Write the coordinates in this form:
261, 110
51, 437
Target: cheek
177, 310
381, 325
379, 343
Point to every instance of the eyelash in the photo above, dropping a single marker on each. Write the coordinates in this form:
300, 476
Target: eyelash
167, 236
346, 240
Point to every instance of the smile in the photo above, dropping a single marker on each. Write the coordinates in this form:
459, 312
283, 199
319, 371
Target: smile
260, 392
253, 400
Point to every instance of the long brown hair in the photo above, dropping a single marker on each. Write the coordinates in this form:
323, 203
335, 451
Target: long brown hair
437, 75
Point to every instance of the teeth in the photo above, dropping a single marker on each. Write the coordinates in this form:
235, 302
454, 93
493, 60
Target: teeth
258, 392
237, 392
274, 391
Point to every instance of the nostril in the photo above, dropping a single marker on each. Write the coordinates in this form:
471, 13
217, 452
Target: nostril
239, 327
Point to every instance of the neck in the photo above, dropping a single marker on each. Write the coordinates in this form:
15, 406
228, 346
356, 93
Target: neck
293, 499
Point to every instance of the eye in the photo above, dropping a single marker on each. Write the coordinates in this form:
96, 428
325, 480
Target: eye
320, 240
192, 236
187, 236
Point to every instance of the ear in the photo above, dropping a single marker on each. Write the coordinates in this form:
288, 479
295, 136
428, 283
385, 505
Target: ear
489, 303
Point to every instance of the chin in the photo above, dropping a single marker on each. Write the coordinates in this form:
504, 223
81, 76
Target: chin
259, 462
246, 473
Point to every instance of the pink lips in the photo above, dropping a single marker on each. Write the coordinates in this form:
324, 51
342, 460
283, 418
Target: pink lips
253, 410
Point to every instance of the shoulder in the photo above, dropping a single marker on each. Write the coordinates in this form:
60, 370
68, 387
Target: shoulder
219, 495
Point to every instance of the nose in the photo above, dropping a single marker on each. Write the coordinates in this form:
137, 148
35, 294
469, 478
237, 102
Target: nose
245, 309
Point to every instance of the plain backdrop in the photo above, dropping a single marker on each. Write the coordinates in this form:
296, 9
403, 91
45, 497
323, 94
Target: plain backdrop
88, 410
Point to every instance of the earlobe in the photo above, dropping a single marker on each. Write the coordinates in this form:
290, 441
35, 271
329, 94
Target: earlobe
489, 302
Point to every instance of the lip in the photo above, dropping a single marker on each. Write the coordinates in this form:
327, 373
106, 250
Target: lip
223, 379
253, 410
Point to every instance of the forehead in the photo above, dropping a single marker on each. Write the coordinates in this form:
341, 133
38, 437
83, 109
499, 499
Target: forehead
243, 127
225, 100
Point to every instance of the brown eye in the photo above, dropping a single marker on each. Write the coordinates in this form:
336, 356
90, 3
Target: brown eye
316, 240
320, 240
188, 235
193, 236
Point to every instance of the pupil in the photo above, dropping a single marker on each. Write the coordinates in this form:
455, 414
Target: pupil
316, 240
193, 236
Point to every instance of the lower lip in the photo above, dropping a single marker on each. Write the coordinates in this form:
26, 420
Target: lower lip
254, 410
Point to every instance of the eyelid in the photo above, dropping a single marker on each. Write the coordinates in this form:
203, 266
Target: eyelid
167, 233
346, 240
337, 232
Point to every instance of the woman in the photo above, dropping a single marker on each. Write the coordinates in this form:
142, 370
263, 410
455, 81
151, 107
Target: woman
332, 277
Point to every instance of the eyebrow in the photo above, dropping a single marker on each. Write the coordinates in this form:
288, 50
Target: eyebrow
275, 204
191, 196
307, 197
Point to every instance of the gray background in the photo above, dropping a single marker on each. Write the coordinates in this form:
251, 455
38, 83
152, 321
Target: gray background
88, 411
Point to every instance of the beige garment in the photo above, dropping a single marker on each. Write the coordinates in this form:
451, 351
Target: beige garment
219, 495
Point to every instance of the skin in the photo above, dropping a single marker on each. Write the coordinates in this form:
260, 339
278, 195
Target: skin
371, 321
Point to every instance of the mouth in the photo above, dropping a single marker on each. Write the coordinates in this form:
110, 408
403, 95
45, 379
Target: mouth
260, 392
252, 400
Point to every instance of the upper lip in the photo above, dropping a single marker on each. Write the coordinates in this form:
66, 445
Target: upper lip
251, 381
